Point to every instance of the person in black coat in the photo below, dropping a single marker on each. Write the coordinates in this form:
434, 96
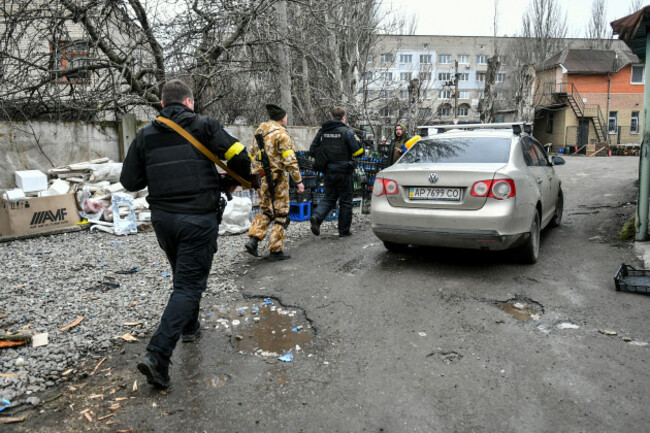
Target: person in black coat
184, 198
340, 145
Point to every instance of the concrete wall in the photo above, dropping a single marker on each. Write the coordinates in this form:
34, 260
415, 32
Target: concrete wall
65, 143
44, 145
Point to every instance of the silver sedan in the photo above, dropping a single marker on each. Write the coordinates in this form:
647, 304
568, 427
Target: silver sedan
491, 189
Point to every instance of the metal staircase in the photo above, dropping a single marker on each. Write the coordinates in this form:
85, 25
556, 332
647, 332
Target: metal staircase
566, 93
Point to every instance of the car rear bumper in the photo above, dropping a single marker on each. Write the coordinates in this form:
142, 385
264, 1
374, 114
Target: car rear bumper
479, 239
498, 225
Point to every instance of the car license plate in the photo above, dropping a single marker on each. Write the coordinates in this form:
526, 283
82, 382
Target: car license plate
428, 193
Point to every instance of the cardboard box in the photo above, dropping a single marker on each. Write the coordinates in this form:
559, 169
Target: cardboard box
31, 180
37, 215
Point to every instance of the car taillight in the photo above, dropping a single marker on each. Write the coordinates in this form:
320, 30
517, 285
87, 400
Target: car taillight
384, 186
497, 188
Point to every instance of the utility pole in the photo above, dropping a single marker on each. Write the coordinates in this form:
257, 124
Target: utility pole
456, 89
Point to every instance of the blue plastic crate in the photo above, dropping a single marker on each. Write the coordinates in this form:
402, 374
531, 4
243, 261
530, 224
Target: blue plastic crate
333, 215
299, 211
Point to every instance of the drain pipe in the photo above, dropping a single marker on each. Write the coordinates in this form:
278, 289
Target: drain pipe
644, 175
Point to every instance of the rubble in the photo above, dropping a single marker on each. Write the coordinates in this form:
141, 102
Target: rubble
53, 280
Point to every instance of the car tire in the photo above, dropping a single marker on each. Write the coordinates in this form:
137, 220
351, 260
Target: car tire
529, 252
559, 210
395, 248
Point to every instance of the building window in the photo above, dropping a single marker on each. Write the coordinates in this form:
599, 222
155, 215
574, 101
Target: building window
445, 59
634, 123
368, 76
384, 94
425, 112
385, 112
463, 111
406, 58
480, 77
424, 76
404, 94
444, 76
613, 122
463, 94
501, 77
463, 76
481, 60
370, 58
637, 74
386, 58
444, 94
444, 110
463, 59
425, 94
386, 76
72, 57
425, 59
405, 76
481, 95
549, 123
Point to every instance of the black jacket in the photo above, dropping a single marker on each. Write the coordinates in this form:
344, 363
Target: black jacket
181, 179
351, 145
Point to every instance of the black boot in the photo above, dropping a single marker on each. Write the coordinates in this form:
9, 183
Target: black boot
192, 334
278, 255
156, 367
315, 225
251, 245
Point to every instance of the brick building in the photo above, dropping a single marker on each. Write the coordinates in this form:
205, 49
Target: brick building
589, 96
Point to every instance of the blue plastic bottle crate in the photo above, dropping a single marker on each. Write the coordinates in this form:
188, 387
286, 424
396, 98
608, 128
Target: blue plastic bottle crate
299, 211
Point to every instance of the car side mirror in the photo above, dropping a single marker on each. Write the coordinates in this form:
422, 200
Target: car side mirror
558, 160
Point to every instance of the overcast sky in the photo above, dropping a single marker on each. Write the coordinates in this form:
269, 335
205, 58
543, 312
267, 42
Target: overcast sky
475, 17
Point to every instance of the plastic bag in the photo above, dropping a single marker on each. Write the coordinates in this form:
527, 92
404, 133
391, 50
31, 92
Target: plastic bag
126, 225
235, 217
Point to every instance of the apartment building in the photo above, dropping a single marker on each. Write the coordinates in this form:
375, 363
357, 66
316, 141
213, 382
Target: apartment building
413, 78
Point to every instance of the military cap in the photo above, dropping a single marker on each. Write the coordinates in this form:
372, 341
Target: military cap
275, 112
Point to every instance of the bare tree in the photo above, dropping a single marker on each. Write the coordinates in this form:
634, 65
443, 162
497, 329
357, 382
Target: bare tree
635, 5
598, 29
544, 25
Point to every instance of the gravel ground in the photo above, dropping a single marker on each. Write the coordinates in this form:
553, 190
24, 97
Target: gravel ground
48, 282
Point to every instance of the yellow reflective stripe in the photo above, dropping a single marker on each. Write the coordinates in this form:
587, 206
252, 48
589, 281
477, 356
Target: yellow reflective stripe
234, 150
252, 157
358, 152
286, 153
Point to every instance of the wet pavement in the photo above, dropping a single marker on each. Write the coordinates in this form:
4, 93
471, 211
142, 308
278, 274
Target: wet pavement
429, 340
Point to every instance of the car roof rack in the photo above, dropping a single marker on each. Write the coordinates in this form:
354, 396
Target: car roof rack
516, 126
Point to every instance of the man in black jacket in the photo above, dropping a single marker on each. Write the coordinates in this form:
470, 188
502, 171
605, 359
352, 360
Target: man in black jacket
340, 144
184, 198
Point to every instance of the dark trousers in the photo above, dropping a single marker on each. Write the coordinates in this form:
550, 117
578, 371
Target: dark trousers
190, 242
338, 186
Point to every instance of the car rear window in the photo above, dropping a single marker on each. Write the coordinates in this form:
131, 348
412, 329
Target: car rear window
458, 150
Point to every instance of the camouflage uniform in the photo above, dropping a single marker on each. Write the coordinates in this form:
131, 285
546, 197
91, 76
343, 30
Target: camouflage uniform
282, 158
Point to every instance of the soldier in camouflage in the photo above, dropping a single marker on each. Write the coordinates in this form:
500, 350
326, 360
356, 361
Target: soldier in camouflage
280, 149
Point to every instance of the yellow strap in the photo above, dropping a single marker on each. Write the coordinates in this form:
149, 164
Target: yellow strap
234, 150
286, 153
204, 150
358, 152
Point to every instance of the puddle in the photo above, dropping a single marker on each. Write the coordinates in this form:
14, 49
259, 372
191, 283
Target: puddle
266, 328
352, 266
522, 309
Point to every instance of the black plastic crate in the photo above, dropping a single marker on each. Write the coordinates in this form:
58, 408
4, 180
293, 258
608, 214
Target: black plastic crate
628, 279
